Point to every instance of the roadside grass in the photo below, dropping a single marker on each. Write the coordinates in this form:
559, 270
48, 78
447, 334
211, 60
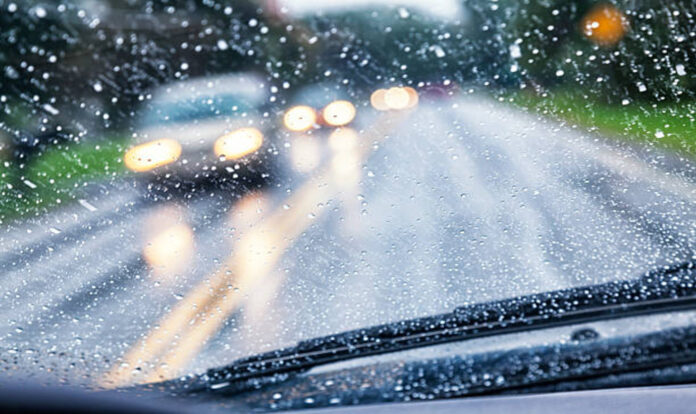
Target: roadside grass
670, 125
56, 177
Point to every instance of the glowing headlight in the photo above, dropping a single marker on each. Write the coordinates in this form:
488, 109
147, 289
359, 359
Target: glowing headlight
238, 143
412, 96
396, 98
377, 100
338, 113
146, 157
299, 118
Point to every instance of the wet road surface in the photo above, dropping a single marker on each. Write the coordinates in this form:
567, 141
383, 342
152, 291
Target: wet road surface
413, 213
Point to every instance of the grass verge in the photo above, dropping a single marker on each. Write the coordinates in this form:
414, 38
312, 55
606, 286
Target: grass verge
56, 177
665, 125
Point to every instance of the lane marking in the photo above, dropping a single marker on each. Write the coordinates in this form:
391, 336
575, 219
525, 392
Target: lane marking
180, 334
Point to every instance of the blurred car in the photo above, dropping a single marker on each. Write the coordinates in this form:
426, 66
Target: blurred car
439, 89
394, 98
203, 128
319, 105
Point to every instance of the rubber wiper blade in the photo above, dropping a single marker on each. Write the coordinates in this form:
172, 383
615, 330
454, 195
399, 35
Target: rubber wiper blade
667, 289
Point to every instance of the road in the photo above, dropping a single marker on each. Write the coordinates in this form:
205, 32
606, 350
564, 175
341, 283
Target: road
450, 203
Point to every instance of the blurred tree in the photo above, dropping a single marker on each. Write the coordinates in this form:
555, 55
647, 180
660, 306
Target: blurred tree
379, 45
618, 50
79, 67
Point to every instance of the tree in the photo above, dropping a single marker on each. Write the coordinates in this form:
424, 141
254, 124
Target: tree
82, 72
642, 57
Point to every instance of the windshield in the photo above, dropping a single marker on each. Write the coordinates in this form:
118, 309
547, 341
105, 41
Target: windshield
196, 109
184, 183
205, 99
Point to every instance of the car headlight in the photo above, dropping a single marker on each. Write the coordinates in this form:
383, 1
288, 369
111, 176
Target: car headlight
151, 155
394, 98
377, 100
397, 98
238, 143
299, 118
412, 96
338, 113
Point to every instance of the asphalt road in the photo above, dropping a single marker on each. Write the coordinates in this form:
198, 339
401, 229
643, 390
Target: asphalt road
462, 201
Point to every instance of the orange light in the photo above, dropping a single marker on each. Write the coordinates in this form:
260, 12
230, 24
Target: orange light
412, 96
396, 98
377, 100
238, 143
338, 113
151, 155
299, 118
605, 25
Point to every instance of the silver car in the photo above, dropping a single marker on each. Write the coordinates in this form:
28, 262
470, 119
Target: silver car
202, 127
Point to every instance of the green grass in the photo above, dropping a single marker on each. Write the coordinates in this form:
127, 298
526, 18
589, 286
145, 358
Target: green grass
665, 125
57, 176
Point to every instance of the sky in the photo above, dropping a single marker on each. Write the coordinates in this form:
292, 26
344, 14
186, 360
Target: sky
445, 9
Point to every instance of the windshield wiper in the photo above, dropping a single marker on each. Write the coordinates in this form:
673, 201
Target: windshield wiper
664, 290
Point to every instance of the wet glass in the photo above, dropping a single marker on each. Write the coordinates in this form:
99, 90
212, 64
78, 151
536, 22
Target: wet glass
187, 182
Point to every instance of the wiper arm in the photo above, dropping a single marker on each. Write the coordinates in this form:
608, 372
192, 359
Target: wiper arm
665, 290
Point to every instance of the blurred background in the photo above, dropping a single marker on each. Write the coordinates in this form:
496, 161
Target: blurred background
230, 177
76, 74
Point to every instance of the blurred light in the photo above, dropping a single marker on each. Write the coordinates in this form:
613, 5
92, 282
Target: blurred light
605, 25
343, 139
377, 100
238, 143
168, 248
148, 156
170, 251
299, 118
338, 113
346, 166
397, 98
248, 211
412, 96
346, 159
305, 153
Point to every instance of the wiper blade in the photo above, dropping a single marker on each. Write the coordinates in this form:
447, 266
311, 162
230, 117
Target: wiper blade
664, 290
